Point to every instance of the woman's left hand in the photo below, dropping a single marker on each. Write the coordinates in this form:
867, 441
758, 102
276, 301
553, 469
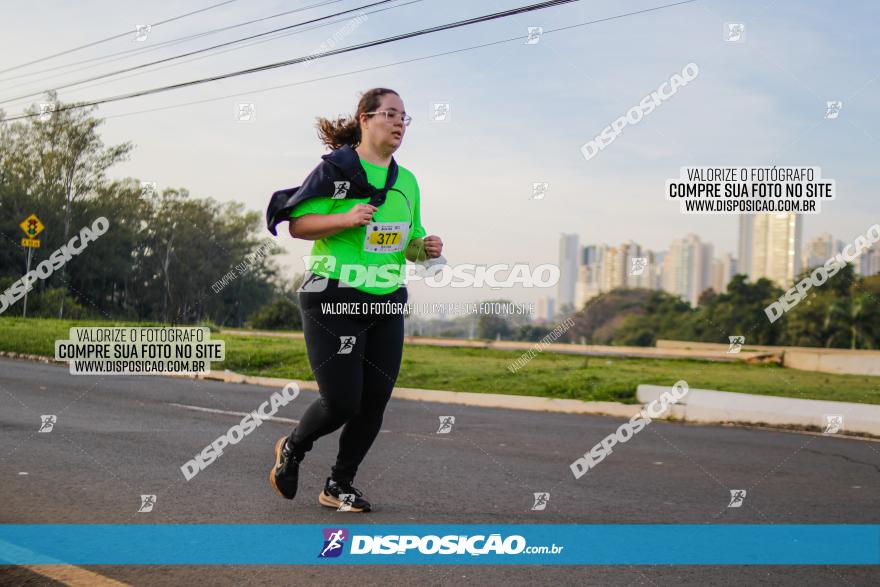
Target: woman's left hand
433, 246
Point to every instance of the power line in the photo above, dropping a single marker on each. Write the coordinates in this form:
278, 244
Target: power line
157, 46
283, 35
392, 64
197, 51
120, 35
353, 48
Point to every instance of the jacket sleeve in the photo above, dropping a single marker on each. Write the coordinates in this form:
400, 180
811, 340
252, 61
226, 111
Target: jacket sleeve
318, 183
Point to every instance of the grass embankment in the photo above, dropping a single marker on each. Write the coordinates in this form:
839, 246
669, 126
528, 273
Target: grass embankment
485, 371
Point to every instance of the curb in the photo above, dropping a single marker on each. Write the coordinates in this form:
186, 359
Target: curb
708, 405
699, 406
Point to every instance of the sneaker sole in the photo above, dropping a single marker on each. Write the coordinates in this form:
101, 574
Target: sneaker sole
278, 446
331, 502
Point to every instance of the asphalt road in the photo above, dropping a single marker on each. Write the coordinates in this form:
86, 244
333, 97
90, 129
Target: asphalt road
117, 437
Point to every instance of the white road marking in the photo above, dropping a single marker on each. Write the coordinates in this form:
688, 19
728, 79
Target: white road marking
231, 413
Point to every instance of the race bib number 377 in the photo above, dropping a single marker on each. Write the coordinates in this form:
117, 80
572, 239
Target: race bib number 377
386, 237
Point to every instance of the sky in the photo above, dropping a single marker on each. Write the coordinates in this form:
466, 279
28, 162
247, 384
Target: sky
519, 112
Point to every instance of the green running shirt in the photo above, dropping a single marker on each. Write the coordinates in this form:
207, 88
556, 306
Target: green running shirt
401, 205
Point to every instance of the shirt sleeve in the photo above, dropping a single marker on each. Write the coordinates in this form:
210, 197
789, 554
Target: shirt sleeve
418, 230
318, 205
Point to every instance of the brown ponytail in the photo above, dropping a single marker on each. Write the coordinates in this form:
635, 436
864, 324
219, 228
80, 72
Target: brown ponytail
347, 130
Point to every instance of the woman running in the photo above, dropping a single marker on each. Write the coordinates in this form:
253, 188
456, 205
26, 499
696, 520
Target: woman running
363, 236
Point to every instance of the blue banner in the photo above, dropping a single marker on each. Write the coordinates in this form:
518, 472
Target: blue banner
528, 544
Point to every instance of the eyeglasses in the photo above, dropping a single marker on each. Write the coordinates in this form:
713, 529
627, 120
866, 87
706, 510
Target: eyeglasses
393, 115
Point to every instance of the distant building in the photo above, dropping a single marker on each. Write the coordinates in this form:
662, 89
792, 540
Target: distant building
723, 269
819, 250
569, 258
776, 246
687, 268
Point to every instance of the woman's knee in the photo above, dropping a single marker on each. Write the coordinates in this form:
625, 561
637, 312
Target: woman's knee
340, 408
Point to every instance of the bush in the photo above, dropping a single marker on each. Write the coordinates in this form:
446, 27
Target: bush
279, 314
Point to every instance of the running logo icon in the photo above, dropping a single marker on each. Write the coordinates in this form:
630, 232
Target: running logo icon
334, 542
737, 496
535, 33
734, 32
541, 499
47, 423
638, 266
832, 109
446, 423
833, 423
340, 189
346, 345
540, 189
147, 503
736, 344
440, 112
346, 500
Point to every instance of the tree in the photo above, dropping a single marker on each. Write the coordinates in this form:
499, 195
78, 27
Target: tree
60, 158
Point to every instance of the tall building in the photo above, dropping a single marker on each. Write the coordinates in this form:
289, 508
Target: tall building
868, 263
819, 250
723, 269
569, 258
687, 268
592, 279
544, 310
776, 246
744, 248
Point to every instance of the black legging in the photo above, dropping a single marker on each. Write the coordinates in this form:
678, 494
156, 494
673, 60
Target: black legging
354, 386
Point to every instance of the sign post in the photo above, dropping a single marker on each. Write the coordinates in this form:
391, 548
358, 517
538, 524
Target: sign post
31, 227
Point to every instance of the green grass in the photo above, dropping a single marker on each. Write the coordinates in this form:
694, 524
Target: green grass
484, 370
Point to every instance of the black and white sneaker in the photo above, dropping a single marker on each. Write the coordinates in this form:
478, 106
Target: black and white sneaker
284, 476
343, 497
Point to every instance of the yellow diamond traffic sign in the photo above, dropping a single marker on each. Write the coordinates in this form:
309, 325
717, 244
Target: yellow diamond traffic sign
32, 226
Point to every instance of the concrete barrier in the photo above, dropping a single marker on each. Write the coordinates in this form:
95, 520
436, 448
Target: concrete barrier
847, 361
706, 405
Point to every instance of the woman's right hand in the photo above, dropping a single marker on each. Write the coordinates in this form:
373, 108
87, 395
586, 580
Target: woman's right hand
360, 215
